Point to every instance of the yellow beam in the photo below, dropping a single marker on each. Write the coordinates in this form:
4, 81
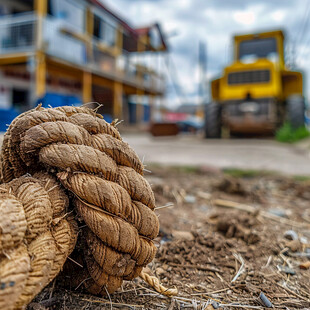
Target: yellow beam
61, 70
103, 82
117, 100
119, 41
89, 22
78, 36
40, 7
89, 32
140, 93
107, 49
13, 58
40, 74
87, 87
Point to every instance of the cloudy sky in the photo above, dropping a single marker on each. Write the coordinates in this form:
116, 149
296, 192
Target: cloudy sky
213, 22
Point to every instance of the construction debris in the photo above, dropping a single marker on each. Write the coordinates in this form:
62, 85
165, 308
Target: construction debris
264, 300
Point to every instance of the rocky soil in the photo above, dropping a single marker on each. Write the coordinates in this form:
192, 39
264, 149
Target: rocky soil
225, 242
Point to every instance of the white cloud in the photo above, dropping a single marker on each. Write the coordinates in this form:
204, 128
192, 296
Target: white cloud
244, 17
215, 22
278, 15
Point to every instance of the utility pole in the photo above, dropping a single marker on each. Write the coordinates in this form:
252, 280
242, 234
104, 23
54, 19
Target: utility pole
202, 72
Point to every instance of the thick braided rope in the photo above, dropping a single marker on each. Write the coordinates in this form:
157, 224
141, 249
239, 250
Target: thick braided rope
105, 176
36, 237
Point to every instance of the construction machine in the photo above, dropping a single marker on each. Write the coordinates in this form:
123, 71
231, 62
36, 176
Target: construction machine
257, 93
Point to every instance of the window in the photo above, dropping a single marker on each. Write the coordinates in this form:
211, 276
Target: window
109, 33
96, 26
104, 30
155, 37
258, 48
49, 8
71, 12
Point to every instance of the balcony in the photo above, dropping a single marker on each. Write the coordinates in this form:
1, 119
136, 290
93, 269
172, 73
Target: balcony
127, 69
59, 43
66, 43
17, 33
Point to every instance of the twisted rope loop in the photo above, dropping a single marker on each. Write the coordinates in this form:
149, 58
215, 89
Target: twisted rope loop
36, 237
72, 149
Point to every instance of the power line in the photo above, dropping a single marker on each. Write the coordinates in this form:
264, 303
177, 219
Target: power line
171, 68
301, 34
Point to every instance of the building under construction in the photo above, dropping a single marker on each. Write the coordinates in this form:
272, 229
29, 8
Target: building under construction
72, 51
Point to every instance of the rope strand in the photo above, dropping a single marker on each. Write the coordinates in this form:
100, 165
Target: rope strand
155, 284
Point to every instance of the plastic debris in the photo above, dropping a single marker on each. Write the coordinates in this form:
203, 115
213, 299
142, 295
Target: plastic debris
278, 212
264, 300
291, 235
286, 270
305, 265
190, 199
215, 304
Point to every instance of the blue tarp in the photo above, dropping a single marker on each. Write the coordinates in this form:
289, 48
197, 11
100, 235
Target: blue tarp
6, 117
56, 100
132, 107
146, 113
108, 118
49, 100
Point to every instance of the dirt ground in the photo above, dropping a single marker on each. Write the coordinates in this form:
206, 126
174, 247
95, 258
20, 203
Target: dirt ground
217, 257
256, 154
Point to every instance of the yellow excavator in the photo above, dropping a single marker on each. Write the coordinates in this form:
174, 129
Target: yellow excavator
257, 93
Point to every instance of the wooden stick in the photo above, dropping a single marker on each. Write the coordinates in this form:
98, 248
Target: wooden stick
210, 293
292, 292
205, 268
253, 210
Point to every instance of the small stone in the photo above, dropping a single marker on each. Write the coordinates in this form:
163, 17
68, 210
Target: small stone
278, 212
160, 271
294, 245
190, 199
182, 235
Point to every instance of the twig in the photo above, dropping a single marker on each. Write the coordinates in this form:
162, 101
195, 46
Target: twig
253, 210
241, 269
219, 276
119, 122
299, 254
171, 306
167, 205
113, 303
286, 261
292, 292
82, 283
268, 262
52, 290
75, 262
240, 306
111, 306
210, 293
91, 102
97, 108
204, 268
